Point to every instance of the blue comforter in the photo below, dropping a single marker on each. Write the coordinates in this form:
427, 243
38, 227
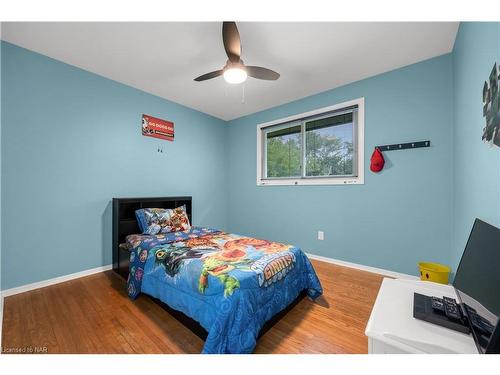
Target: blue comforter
228, 283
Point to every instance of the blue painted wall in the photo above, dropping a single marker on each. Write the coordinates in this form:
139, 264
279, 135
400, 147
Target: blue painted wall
397, 217
70, 142
1, 121
476, 165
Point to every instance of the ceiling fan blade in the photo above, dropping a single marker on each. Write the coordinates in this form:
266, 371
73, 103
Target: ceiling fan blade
231, 40
262, 73
210, 75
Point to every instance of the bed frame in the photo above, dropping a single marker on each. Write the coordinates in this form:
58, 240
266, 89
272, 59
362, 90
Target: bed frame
125, 223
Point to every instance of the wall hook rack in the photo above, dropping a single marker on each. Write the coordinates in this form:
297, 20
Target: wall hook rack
404, 146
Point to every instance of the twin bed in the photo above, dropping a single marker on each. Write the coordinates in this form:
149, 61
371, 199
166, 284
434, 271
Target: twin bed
227, 288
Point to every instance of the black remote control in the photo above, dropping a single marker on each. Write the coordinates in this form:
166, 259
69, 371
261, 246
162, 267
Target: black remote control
451, 309
438, 304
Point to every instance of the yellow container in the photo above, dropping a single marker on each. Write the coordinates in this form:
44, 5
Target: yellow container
435, 272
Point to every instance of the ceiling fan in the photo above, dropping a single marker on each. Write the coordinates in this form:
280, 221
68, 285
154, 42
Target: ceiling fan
235, 71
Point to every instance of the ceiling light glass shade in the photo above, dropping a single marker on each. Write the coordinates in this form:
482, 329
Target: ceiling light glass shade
235, 75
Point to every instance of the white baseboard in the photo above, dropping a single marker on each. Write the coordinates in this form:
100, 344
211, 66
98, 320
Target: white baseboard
42, 284
361, 267
55, 280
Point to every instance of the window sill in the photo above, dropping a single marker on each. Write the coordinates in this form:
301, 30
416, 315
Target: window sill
311, 181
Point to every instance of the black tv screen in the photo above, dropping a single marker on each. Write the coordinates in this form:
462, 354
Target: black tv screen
477, 282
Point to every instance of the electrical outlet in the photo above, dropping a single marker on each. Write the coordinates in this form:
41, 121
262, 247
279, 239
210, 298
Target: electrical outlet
321, 235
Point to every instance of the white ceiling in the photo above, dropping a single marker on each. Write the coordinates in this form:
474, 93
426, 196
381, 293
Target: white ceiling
163, 58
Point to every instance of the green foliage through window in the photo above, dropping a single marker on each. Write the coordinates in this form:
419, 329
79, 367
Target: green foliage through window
283, 155
329, 151
329, 148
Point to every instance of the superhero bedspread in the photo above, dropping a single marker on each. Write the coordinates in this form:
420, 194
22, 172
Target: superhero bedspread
228, 283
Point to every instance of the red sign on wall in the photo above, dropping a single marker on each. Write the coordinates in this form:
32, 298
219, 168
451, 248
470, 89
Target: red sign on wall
157, 128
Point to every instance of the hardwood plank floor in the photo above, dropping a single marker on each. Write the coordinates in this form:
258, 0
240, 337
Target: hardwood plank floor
94, 315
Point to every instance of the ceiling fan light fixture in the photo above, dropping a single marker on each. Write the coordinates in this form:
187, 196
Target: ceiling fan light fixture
235, 75
235, 71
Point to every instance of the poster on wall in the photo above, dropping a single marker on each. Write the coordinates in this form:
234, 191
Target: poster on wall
157, 128
491, 108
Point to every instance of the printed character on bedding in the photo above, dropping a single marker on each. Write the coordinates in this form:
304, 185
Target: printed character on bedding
221, 254
173, 256
142, 245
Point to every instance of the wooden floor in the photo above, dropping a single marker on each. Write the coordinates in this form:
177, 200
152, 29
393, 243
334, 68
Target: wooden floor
93, 315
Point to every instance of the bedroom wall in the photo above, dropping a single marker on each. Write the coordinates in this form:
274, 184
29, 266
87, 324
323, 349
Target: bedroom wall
476, 164
394, 220
1, 122
71, 141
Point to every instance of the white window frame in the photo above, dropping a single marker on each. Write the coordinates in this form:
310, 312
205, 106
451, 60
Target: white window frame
340, 180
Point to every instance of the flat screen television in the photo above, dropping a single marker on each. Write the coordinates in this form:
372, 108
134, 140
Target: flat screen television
477, 282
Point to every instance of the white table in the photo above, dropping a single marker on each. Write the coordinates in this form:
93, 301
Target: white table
393, 329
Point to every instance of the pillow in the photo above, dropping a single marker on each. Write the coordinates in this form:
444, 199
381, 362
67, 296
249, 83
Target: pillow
162, 220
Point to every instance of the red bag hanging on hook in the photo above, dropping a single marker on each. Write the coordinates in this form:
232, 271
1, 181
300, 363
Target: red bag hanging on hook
377, 161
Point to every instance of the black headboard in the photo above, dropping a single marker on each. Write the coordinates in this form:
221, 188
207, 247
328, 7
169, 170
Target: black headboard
125, 222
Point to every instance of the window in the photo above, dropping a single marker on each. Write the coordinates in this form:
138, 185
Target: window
320, 147
284, 151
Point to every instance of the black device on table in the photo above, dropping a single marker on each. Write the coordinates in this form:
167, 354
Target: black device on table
444, 311
477, 285
449, 306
